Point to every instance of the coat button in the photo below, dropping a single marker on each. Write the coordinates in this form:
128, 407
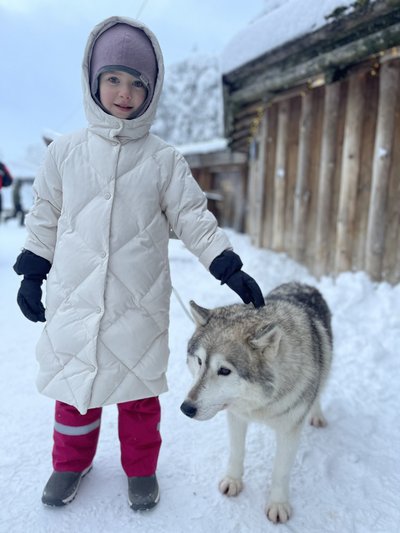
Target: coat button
103, 254
107, 196
98, 309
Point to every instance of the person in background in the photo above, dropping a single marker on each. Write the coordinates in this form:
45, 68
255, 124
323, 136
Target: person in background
18, 211
5, 181
105, 199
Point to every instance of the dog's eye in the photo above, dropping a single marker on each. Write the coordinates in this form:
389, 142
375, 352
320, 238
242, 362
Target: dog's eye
199, 361
224, 371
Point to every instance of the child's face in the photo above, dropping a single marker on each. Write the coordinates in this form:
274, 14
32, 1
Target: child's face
121, 94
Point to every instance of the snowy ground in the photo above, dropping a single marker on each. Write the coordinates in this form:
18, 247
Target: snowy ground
346, 477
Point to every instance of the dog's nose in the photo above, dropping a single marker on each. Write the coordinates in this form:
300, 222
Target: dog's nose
188, 409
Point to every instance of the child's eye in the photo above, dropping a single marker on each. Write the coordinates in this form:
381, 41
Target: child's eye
138, 84
113, 79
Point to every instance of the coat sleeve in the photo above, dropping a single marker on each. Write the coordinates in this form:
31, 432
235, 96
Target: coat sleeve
42, 220
185, 206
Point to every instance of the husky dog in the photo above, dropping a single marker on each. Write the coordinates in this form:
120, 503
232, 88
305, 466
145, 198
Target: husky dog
267, 365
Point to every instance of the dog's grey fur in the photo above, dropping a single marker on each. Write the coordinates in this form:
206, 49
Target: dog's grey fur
267, 365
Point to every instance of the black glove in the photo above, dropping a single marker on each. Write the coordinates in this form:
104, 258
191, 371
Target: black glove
29, 298
227, 268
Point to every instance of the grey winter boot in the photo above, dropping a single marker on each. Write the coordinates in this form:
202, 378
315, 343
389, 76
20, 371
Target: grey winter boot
62, 487
143, 492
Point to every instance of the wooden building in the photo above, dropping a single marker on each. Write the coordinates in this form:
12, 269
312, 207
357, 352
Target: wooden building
222, 174
319, 120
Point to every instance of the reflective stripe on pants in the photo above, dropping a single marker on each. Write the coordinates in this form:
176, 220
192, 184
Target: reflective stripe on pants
76, 437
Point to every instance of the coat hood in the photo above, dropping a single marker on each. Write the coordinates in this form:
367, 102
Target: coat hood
101, 122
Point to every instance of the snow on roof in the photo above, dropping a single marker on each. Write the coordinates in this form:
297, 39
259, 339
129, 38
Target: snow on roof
51, 134
205, 147
284, 21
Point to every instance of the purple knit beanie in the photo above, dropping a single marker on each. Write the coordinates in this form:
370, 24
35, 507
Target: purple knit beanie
124, 47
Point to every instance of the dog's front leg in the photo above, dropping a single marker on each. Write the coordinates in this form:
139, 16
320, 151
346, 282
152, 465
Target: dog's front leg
232, 483
278, 508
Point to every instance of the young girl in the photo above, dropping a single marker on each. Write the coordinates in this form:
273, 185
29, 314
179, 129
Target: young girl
105, 199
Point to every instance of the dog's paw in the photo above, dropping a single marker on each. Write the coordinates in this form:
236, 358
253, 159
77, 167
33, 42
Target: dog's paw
318, 421
316, 416
278, 512
230, 486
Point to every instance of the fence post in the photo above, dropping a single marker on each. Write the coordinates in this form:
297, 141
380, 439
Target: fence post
302, 191
349, 174
377, 216
259, 181
326, 177
278, 221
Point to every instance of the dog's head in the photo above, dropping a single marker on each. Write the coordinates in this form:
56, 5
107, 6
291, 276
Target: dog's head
229, 356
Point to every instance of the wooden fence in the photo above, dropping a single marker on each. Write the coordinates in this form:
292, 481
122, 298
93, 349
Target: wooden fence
324, 174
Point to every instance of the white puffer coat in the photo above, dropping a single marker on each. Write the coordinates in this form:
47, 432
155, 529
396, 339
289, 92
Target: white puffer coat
105, 198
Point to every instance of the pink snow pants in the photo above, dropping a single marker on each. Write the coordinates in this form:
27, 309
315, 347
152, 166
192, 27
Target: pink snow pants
76, 437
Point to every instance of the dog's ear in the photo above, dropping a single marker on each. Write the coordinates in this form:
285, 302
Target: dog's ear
201, 315
267, 339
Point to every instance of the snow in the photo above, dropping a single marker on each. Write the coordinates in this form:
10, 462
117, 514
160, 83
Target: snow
217, 144
282, 22
190, 108
382, 153
346, 477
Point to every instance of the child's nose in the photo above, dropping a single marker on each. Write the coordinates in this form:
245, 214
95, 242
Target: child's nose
125, 91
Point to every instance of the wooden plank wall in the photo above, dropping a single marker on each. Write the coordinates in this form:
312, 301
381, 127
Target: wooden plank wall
326, 169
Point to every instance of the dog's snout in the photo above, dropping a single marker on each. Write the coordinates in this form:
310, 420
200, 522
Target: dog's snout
188, 409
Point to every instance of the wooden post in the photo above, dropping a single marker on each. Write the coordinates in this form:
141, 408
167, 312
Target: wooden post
370, 116
396, 273
349, 174
268, 210
278, 223
249, 220
388, 94
302, 192
239, 185
326, 177
259, 181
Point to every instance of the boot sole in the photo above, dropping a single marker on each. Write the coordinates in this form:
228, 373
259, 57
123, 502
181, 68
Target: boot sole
148, 507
